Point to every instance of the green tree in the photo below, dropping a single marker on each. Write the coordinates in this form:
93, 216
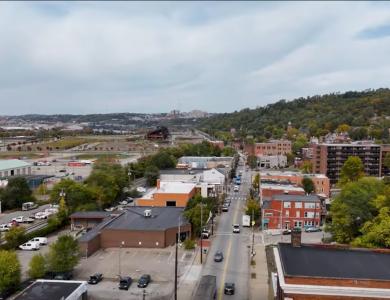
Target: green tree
37, 266
308, 185
307, 167
386, 161
163, 160
16, 193
151, 175
15, 236
63, 211
252, 161
256, 182
63, 255
253, 209
9, 271
228, 151
299, 143
352, 170
343, 128
353, 207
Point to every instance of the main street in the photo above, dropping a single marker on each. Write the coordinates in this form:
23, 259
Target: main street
235, 246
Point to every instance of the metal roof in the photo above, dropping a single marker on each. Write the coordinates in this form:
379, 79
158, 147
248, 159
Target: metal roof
90, 214
326, 262
7, 164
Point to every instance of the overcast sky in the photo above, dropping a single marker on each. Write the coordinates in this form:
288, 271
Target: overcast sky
99, 57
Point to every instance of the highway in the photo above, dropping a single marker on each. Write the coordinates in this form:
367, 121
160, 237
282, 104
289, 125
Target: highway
235, 246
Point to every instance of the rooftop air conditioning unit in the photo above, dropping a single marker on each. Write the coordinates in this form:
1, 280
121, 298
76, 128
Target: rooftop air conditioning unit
147, 213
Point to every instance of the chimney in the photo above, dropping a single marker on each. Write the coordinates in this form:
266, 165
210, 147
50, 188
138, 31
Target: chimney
296, 236
158, 183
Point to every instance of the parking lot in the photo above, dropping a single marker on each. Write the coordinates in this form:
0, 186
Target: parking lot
307, 237
159, 263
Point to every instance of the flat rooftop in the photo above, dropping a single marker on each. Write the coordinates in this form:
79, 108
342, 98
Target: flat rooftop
285, 187
6, 164
289, 174
49, 289
181, 171
170, 187
162, 218
300, 198
316, 261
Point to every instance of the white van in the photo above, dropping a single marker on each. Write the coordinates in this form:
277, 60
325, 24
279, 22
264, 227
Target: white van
4, 227
40, 240
30, 246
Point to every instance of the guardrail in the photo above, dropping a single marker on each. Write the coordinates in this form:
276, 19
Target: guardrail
36, 226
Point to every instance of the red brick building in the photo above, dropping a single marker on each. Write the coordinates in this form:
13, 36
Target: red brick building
330, 272
291, 211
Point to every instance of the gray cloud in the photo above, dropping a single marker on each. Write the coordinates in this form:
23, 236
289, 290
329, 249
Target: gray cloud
88, 57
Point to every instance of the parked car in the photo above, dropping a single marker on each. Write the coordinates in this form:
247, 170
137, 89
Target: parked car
144, 281
41, 240
30, 246
13, 224
141, 189
62, 171
286, 232
95, 278
124, 202
63, 276
312, 229
225, 208
236, 188
218, 256
205, 233
129, 199
125, 282
229, 288
226, 203
4, 227
236, 228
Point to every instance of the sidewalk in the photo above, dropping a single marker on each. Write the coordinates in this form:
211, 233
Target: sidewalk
187, 282
258, 286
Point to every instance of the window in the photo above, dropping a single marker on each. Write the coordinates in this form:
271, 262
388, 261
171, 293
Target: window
309, 214
286, 204
171, 203
298, 204
317, 205
287, 213
268, 214
308, 223
310, 205
298, 214
317, 214
298, 224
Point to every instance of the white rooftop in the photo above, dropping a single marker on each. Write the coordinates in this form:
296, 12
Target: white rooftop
171, 187
6, 164
289, 173
284, 187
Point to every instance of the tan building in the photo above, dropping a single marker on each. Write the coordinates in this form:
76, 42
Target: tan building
321, 182
273, 147
168, 194
137, 227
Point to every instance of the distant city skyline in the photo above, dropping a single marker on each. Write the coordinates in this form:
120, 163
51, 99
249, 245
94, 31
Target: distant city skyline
151, 57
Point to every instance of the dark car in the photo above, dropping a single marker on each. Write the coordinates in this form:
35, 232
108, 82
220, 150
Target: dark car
63, 276
286, 232
143, 281
95, 278
225, 208
125, 282
218, 256
229, 288
62, 171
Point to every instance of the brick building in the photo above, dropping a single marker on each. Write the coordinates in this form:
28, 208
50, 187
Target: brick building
273, 147
321, 182
269, 189
328, 159
87, 219
168, 194
329, 272
291, 211
137, 227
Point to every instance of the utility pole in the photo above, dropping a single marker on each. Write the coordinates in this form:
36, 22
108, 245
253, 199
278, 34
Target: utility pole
176, 249
201, 235
253, 232
144, 295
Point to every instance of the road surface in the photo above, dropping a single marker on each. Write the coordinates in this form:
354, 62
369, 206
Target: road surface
235, 246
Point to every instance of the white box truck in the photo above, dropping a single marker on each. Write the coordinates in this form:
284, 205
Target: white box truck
246, 221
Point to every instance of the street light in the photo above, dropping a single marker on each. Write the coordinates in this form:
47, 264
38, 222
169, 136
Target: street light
119, 255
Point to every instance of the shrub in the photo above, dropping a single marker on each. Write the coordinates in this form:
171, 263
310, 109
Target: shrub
189, 244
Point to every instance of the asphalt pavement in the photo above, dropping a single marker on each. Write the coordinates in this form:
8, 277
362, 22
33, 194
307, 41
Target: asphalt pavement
7, 217
235, 246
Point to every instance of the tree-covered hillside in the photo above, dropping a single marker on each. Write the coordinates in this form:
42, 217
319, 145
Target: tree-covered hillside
367, 113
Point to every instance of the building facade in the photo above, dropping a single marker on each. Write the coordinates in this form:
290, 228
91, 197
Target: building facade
321, 182
291, 211
328, 159
14, 167
273, 147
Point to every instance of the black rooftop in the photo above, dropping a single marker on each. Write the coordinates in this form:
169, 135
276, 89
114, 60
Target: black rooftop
181, 171
90, 214
162, 218
317, 261
53, 290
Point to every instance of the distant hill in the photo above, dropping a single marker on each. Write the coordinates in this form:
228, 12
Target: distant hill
314, 115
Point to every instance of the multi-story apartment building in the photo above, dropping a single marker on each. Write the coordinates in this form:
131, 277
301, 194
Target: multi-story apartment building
273, 147
291, 211
328, 159
385, 171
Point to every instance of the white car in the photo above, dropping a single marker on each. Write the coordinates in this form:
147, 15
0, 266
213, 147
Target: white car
236, 228
4, 227
51, 211
141, 189
40, 240
22, 219
30, 246
236, 188
41, 215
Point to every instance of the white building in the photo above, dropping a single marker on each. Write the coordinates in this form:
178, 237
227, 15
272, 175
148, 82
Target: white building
14, 167
272, 161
